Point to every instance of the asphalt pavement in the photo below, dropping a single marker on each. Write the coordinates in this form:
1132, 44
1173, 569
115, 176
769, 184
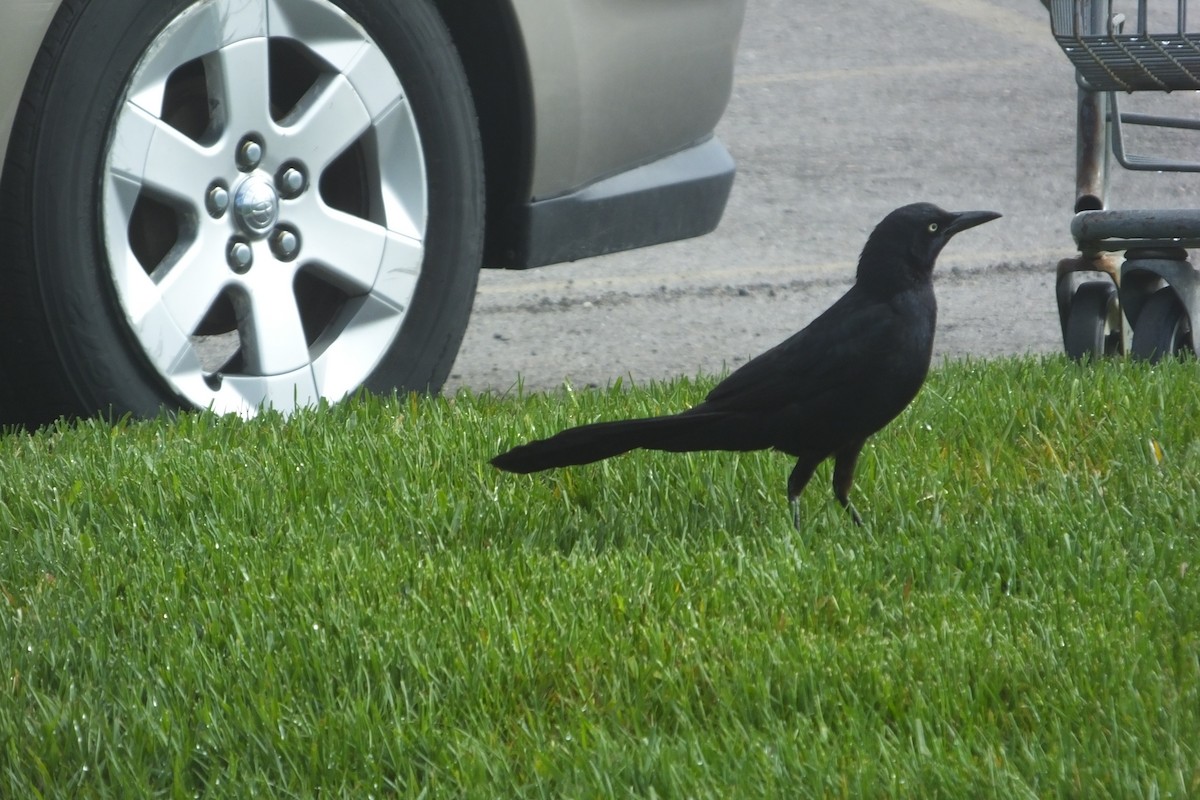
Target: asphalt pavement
840, 113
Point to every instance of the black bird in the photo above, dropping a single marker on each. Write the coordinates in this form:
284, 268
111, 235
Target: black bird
821, 392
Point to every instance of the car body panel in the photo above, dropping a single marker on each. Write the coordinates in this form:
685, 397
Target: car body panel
23, 24
617, 83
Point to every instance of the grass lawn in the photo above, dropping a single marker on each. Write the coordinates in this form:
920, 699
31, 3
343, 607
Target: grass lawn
354, 603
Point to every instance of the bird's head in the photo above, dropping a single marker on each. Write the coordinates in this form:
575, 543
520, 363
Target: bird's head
902, 249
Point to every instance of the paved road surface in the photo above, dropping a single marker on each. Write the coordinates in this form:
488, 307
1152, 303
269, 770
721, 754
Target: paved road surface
837, 117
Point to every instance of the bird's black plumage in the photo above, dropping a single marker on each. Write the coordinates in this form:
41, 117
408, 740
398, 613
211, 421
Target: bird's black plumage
820, 393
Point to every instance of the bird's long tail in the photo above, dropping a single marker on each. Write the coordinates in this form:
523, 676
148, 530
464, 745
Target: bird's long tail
588, 443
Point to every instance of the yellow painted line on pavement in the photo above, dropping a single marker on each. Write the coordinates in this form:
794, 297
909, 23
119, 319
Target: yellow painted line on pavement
1032, 28
885, 71
498, 284
1029, 29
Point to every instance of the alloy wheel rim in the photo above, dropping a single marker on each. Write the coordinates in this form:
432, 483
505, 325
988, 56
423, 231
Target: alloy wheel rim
264, 205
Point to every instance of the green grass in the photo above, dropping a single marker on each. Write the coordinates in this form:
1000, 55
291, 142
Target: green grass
353, 603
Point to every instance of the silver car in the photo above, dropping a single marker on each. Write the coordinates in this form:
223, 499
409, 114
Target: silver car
246, 203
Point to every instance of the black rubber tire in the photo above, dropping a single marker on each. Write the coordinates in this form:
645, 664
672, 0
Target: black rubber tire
1089, 333
65, 346
1163, 328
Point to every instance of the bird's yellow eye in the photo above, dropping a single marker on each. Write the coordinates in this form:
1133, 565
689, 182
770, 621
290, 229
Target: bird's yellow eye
933, 227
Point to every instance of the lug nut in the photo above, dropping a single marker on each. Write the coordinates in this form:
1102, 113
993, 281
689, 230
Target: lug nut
285, 244
240, 256
217, 201
291, 182
249, 154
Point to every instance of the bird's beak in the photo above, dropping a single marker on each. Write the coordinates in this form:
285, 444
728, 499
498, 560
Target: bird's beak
969, 219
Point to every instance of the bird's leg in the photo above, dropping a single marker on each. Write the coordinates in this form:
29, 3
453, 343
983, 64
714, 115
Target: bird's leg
801, 474
844, 461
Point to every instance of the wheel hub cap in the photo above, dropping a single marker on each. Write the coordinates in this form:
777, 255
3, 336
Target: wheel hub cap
256, 205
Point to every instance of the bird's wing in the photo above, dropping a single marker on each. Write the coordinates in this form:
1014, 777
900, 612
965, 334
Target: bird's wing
823, 359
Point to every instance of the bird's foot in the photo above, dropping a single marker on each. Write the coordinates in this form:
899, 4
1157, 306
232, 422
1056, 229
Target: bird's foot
794, 505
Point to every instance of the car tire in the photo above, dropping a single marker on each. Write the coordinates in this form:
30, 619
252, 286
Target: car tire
215, 203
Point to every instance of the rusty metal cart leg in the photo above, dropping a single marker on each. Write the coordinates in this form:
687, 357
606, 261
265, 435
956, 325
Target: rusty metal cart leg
1086, 285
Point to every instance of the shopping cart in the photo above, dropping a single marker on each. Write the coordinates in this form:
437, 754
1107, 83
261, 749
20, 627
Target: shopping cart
1147, 304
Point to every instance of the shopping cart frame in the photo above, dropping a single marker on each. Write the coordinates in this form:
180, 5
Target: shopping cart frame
1144, 305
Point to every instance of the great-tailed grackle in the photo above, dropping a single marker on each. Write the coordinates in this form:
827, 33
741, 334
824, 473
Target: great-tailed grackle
821, 392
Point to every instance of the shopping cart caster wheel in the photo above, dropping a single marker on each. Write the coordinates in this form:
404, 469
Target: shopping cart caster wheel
1093, 321
1163, 328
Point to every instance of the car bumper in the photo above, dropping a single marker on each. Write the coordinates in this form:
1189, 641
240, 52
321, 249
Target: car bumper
676, 197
